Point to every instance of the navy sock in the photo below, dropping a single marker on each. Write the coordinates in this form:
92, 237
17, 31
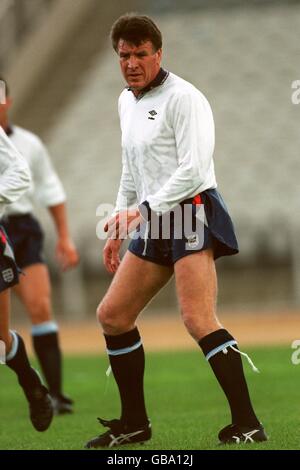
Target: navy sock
19, 363
47, 349
127, 360
228, 369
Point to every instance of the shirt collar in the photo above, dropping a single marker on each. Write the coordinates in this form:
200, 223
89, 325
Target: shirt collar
158, 80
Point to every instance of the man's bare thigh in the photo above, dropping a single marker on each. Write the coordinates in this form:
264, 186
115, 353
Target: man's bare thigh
135, 283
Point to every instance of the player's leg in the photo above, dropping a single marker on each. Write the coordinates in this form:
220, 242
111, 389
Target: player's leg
135, 283
34, 290
196, 285
16, 359
5, 335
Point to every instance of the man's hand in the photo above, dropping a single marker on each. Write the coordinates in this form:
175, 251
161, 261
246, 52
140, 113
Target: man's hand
66, 254
122, 224
111, 256
117, 228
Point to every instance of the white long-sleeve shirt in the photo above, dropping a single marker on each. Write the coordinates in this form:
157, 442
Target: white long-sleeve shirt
46, 187
14, 172
167, 145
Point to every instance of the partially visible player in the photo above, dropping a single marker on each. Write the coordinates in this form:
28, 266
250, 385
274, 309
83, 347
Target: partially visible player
27, 239
14, 181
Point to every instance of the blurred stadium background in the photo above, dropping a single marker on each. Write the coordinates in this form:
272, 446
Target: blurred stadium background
244, 55
65, 81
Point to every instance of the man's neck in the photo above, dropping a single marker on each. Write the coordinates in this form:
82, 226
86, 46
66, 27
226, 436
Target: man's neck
159, 79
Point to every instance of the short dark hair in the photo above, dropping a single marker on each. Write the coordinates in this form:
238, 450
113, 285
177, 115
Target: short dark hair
135, 29
6, 85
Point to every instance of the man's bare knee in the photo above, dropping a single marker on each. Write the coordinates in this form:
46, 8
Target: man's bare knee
200, 326
194, 328
103, 313
39, 309
111, 320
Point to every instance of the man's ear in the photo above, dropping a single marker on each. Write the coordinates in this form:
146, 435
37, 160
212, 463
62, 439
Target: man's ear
159, 55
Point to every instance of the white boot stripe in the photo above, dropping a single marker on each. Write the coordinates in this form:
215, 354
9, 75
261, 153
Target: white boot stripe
122, 437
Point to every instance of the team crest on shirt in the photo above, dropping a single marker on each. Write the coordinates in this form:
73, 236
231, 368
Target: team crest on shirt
8, 275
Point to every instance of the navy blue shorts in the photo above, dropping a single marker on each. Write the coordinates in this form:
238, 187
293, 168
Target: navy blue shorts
9, 271
204, 224
27, 239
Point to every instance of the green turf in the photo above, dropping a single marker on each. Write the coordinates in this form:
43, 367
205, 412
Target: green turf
184, 402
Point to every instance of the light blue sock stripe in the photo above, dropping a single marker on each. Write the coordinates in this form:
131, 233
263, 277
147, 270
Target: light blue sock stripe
14, 347
213, 352
44, 328
119, 352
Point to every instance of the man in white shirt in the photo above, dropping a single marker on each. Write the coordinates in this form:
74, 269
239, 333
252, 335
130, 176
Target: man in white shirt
14, 181
27, 239
182, 227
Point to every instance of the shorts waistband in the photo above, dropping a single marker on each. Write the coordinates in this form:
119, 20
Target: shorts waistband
7, 217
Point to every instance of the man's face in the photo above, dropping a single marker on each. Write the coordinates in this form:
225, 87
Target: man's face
139, 64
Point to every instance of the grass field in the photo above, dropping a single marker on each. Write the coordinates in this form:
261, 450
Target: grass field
185, 404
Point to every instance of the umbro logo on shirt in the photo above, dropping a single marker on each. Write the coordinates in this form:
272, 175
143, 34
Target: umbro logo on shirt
152, 114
